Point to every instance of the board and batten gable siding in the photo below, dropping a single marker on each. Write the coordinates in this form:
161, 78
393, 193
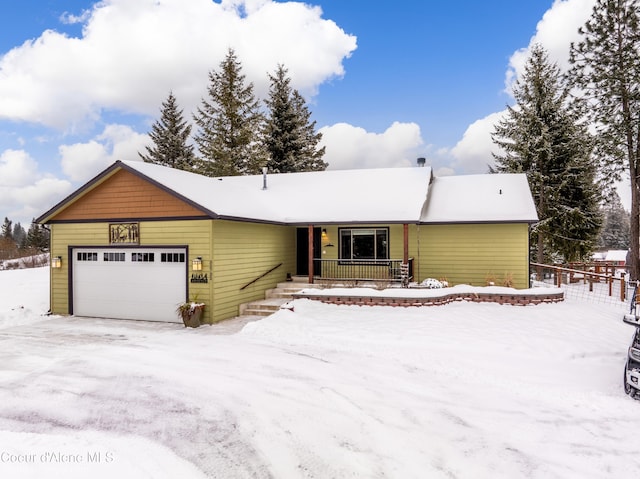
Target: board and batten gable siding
473, 253
195, 234
241, 253
125, 195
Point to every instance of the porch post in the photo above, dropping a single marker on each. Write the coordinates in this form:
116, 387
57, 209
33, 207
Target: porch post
310, 258
405, 254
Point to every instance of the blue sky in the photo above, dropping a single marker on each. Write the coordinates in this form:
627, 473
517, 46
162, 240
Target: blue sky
81, 82
440, 64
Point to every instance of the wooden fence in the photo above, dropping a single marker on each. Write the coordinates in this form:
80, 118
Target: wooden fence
608, 284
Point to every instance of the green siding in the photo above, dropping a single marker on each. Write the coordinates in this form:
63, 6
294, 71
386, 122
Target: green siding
235, 253
195, 234
63, 235
241, 253
471, 254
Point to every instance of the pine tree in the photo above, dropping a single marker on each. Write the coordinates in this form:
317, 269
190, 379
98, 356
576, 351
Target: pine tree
37, 237
615, 227
229, 124
19, 235
170, 137
543, 137
606, 72
6, 231
290, 139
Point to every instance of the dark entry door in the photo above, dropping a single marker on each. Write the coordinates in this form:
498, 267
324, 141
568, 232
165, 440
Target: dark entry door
302, 248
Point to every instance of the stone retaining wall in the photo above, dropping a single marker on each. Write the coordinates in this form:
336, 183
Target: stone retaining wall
513, 299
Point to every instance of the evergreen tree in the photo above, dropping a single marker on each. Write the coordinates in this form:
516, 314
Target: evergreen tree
290, 139
606, 72
170, 137
543, 137
19, 235
38, 237
229, 124
615, 227
6, 231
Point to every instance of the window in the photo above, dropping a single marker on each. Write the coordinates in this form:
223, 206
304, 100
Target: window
172, 257
113, 257
364, 243
143, 257
87, 256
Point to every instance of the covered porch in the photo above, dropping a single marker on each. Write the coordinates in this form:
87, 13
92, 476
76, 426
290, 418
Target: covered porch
355, 254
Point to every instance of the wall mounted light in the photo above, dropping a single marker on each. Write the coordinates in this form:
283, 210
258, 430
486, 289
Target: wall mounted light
56, 262
196, 264
324, 232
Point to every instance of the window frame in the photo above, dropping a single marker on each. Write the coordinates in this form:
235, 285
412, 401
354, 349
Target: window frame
377, 259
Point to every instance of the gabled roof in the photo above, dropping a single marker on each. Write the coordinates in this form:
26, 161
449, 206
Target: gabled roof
385, 195
486, 198
345, 196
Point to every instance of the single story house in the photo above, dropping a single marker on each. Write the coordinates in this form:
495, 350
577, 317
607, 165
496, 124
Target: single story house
139, 238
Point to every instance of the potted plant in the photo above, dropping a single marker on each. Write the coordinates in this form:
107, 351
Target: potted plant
190, 312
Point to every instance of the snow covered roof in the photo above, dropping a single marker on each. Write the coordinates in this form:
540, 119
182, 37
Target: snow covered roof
616, 255
334, 196
480, 199
384, 195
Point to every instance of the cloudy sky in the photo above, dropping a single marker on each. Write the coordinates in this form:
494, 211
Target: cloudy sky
82, 81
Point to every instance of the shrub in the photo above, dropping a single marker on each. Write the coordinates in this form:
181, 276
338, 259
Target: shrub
432, 283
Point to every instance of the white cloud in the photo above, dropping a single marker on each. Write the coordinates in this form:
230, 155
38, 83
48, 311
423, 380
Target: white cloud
82, 161
555, 32
37, 198
132, 53
472, 153
17, 168
350, 147
24, 192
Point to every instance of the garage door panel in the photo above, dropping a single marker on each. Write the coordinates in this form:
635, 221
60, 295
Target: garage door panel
129, 283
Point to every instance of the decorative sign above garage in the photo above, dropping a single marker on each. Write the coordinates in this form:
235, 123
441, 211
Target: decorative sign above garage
124, 233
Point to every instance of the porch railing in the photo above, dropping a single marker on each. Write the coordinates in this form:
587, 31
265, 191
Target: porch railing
362, 270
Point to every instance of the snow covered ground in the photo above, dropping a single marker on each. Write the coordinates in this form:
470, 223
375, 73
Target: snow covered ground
465, 390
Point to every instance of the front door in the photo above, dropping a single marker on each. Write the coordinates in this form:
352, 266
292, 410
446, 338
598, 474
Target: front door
302, 248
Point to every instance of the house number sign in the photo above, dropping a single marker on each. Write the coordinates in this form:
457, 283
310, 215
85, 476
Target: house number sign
124, 233
199, 278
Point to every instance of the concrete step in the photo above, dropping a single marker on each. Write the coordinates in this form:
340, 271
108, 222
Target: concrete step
278, 293
264, 307
294, 284
276, 297
283, 292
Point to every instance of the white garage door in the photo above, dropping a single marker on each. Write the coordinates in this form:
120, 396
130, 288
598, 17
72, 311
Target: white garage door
129, 283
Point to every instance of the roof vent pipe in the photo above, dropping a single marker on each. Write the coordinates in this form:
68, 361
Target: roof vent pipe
421, 161
264, 177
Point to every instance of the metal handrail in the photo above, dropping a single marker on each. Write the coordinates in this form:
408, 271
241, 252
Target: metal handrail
261, 276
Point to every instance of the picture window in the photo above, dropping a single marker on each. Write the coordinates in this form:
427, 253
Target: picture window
364, 243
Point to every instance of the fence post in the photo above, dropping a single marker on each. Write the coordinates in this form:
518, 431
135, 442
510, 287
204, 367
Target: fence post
622, 289
559, 277
610, 281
